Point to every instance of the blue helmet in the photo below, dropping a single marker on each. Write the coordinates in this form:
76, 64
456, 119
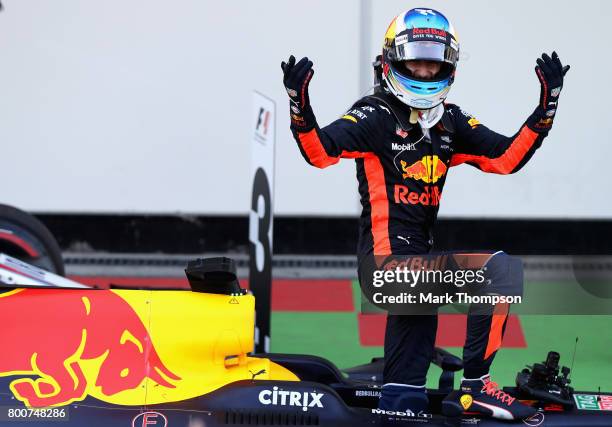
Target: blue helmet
419, 34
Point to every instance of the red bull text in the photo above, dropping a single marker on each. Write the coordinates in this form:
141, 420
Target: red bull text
430, 197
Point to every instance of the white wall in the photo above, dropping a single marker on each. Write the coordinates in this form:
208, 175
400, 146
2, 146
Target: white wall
144, 106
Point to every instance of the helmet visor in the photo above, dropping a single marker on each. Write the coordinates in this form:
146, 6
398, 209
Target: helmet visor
426, 50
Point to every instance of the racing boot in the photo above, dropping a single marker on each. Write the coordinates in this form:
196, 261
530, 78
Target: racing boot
403, 398
482, 396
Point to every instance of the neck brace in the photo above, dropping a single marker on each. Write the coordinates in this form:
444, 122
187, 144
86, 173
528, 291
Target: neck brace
401, 111
427, 118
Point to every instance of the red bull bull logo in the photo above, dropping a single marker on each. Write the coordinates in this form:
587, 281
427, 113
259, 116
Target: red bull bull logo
126, 347
429, 169
62, 344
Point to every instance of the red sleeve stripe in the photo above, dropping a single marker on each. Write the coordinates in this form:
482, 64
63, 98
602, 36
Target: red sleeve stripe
317, 156
505, 163
314, 149
379, 205
375, 175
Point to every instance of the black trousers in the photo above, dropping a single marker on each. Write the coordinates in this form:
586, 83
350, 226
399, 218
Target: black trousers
410, 339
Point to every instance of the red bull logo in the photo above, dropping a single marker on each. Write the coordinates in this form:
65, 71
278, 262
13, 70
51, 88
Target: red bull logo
429, 169
62, 344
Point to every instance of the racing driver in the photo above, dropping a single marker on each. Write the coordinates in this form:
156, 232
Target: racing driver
403, 138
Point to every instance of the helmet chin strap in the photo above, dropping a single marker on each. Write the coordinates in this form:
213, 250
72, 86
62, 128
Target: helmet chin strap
427, 118
414, 115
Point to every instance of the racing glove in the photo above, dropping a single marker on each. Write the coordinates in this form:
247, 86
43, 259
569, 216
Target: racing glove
550, 72
296, 78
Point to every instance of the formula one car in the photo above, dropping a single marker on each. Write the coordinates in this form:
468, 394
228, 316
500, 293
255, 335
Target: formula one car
100, 357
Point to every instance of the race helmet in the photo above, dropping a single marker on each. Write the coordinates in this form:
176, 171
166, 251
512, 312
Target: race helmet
419, 34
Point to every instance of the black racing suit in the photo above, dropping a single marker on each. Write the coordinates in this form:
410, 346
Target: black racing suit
401, 171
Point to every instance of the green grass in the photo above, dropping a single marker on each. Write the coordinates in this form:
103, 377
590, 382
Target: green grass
334, 336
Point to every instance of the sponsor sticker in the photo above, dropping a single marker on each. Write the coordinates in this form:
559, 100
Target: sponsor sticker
466, 401
401, 39
150, 418
605, 402
592, 402
279, 397
535, 420
429, 169
407, 413
466, 114
430, 197
544, 123
367, 393
553, 407
401, 132
358, 113
385, 108
403, 147
473, 122
425, 12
